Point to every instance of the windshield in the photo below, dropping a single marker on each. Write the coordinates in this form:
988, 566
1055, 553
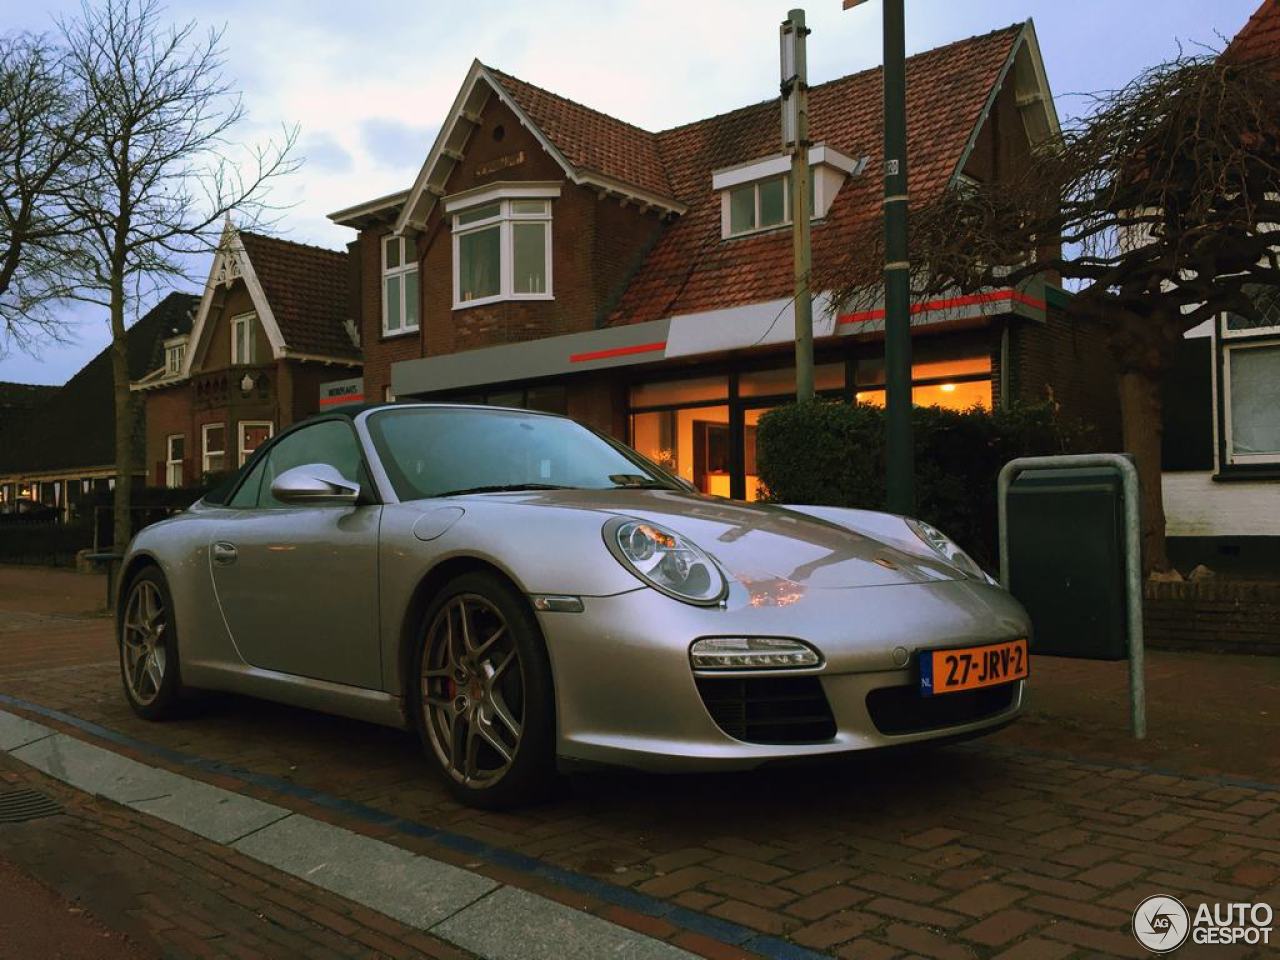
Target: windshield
436, 452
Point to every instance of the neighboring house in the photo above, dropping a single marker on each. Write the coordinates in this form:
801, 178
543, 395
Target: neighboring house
64, 447
17, 400
1222, 414
273, 332
551, 256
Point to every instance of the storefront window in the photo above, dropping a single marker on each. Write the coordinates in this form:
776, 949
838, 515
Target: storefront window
953, 384
774, 383
697, 390
693, 443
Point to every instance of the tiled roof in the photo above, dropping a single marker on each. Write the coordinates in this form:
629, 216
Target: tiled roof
1259, 38
691, 269
308, 290
590, 140
75, 427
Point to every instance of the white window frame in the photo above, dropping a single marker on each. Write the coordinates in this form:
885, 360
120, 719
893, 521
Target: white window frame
726, 222
249, 320
828, 170
503, 197
240, 436
205, 452
1237, 459
171, 464
175, 352
399, 274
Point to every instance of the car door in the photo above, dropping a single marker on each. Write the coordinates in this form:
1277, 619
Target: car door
297, 584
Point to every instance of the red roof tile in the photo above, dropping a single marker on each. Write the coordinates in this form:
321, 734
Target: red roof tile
307, 288
591, 140
691, 269
1259, 39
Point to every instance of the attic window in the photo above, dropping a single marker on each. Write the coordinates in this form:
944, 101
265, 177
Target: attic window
757, 195
175, 351
399, 286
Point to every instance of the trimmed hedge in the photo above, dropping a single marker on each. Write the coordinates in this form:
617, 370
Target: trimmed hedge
830, 453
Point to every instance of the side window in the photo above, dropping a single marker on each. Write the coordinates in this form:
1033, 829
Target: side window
247, 493
331, 442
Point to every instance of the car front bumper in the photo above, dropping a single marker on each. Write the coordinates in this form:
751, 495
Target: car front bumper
627, 694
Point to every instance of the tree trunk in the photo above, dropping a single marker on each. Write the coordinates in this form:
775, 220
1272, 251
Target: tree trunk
1141, 420
123, 400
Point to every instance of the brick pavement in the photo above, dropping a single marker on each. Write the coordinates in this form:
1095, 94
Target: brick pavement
174, 894
982, 850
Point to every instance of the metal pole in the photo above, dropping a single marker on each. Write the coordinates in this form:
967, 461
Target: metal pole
796, 87
899, 450
1132, 557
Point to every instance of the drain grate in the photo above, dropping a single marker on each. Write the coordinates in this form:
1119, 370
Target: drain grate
17, 806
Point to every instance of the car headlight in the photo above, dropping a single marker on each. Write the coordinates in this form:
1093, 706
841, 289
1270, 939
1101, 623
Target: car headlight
665, 560
947, 549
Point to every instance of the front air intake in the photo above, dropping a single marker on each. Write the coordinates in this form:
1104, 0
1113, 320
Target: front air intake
769, 709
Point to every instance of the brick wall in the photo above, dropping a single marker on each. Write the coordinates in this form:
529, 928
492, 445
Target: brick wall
1068, 360
1224, 615
596, 244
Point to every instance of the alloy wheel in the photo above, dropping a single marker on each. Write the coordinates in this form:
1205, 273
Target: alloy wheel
143, 642
473, 690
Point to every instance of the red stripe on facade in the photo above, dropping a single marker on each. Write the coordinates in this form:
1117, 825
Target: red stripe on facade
351, 398
970, 300
616, 352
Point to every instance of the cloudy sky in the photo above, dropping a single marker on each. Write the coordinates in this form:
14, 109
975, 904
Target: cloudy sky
369, 81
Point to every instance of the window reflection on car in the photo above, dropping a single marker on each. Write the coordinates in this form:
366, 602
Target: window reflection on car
436, 452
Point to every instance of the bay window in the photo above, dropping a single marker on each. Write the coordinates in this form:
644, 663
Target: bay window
502, 245
399, 286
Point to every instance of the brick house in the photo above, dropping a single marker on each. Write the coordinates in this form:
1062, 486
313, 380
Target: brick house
272, 333
64, 446
550, 256
1221, 441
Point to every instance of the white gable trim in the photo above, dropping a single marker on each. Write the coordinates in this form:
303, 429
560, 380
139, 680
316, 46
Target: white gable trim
232, 261
1039, 99
449, 146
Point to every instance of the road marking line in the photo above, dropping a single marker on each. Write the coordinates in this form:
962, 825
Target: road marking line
446, 901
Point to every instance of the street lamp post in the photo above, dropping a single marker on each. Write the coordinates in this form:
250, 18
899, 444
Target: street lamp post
899, 449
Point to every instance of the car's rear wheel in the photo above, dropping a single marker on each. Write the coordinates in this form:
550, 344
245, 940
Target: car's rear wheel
485, 704
149, 647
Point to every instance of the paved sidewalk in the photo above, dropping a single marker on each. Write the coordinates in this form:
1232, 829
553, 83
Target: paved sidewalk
155, 890
1005, 847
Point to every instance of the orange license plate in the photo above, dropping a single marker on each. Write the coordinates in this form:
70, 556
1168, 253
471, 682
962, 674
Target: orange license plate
968, 668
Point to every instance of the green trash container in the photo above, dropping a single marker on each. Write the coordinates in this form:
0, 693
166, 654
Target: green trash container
1067, 561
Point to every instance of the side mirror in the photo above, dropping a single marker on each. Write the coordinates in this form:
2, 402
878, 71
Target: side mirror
314, 483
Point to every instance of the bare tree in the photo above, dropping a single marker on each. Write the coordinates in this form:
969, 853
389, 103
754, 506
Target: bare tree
1161, 206
160, 174
40, 156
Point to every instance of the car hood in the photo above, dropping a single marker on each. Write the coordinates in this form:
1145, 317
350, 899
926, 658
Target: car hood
774, 551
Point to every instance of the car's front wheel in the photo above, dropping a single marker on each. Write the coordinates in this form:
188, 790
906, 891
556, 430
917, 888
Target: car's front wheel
149, 647
485, 704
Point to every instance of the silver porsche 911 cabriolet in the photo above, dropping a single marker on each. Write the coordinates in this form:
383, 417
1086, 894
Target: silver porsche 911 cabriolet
521, 590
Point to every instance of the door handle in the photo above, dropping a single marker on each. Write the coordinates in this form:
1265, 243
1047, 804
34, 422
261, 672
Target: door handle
223, 553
